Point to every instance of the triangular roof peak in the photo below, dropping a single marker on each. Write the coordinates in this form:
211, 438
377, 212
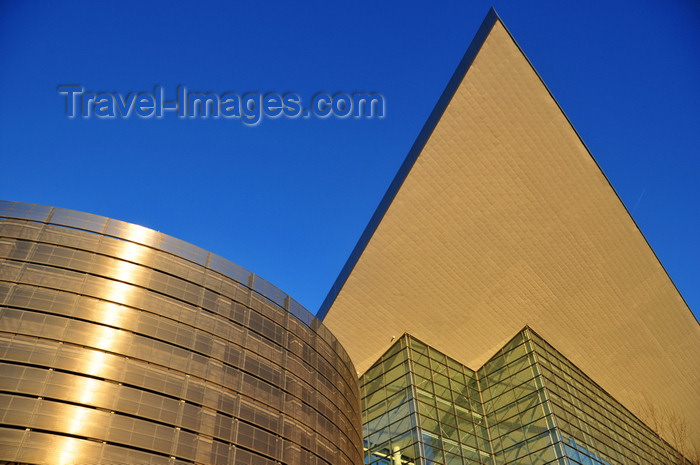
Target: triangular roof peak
499, 218
491, 19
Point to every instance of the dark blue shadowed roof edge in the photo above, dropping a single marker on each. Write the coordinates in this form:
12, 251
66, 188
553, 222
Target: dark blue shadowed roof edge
421, 140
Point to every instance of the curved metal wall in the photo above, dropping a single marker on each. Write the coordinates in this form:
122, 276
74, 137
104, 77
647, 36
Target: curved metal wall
119, 344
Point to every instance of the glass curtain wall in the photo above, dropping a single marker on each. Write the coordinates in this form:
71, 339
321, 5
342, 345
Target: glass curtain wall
528, 405
421, 407
592, 426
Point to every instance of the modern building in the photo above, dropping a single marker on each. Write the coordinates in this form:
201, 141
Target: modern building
527, 405
498, 220
121, 345
501, 308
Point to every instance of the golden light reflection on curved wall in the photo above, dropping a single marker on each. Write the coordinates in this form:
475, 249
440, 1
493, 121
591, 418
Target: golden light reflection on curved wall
119, 344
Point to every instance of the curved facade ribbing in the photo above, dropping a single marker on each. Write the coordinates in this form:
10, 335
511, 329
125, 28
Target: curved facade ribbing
119, 344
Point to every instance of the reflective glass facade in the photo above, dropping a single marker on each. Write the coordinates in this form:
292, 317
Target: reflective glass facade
527, 405
516, 408
119, 344
421, 407
591, 426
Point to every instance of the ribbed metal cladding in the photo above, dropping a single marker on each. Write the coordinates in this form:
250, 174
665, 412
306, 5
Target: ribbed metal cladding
121, 345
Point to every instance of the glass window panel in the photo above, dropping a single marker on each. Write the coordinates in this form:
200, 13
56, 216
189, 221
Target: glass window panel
432, 454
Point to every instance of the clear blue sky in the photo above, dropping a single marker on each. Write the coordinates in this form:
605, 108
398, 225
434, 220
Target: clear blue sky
289, 198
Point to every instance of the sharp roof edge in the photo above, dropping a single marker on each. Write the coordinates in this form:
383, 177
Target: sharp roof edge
491, 19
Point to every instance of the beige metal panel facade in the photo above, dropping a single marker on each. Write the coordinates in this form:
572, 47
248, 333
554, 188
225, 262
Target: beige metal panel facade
505, 220
119, 344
